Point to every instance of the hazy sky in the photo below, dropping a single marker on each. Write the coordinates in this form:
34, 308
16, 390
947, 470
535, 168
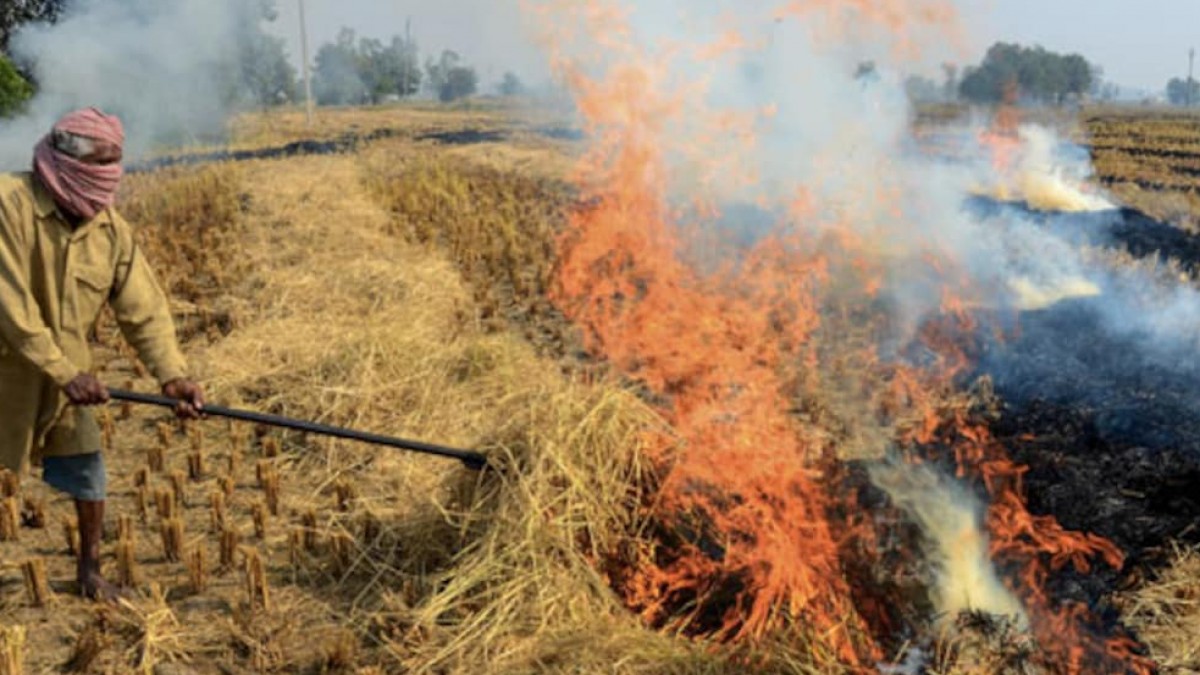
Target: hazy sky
1138, 43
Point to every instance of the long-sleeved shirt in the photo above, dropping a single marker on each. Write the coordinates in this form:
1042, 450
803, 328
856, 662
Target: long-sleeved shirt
55, 280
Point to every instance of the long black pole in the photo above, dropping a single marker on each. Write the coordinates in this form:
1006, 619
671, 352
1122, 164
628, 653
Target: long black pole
473, 460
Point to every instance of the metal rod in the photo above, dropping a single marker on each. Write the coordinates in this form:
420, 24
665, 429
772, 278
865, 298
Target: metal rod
473, 460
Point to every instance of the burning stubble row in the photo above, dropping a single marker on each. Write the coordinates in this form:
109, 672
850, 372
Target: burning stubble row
166, 503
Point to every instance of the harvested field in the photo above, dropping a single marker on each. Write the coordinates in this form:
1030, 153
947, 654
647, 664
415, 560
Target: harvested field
405, 283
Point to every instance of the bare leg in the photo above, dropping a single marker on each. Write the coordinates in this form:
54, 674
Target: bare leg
91, 530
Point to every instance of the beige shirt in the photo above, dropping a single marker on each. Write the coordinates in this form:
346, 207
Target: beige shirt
54, 282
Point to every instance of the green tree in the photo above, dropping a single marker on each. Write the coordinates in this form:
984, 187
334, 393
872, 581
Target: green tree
1178, 90
14, 90
257, 72
388, 71
922, 89
1040, 74
448, 79
267, 76
511, 85
336, 79
461, 82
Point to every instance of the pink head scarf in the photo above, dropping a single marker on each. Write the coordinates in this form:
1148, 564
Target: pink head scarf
82, 188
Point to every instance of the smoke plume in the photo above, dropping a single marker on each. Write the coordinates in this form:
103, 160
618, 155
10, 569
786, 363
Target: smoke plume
166, 67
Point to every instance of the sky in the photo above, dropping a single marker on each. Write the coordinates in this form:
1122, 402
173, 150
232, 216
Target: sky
1139, 44
488, 34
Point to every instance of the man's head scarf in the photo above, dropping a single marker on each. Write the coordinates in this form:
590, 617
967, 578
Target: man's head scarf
79, 161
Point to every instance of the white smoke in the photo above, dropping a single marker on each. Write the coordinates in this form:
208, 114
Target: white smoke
956, 543
163, 66
814, 108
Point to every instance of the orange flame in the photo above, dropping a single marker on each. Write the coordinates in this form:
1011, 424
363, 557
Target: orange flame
749, 544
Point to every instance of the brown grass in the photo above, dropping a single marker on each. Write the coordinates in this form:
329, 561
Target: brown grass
499, 227
1165, 612
392, 292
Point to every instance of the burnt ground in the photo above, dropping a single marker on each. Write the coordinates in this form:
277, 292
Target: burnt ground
1136, 232
349, 143
1111, 436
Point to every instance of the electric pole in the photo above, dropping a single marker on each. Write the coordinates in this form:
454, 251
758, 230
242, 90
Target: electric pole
308, 97
408, 56
1190, 82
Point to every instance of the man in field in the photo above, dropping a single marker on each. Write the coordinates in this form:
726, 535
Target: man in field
64, 254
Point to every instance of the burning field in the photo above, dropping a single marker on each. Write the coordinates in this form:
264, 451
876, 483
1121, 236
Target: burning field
771, 378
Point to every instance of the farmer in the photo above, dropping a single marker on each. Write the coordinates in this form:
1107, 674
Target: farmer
64, 254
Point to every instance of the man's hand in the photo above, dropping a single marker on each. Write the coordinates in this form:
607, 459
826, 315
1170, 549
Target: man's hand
86, 390
190, 397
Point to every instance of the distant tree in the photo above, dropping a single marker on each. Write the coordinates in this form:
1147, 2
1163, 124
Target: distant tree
14, 13
268, 78
406, 58
461, 82
257, 71
336, 79
388, 71
511, 85
14, 90
1041, 75
922, 89
866, 72
449, 80
950, 82
1177, 92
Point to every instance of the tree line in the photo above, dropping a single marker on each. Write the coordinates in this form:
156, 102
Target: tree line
349, 70
353, 70
1037, 74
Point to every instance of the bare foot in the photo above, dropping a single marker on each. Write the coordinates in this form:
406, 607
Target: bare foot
93, 586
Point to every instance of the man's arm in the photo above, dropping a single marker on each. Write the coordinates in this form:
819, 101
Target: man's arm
21, 324
144, 315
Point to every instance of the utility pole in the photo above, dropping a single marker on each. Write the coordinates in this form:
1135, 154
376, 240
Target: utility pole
1190, 82
308, 97
408, 54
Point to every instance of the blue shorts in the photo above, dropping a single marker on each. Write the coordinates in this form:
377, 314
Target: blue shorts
81, 476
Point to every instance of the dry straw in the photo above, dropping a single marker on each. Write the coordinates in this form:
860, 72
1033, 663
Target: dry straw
127, 566
258, 513
1165, 612
179, 488
37, 587
195, 462
10, 483
171, 532
164, 501
229, 546
257, 592
10, 519
142, 502
155, 458
216, 507
70, 529
12, 650
197, 567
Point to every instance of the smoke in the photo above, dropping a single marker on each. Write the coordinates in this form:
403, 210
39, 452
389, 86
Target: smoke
957, 546
166, 67
804, 116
